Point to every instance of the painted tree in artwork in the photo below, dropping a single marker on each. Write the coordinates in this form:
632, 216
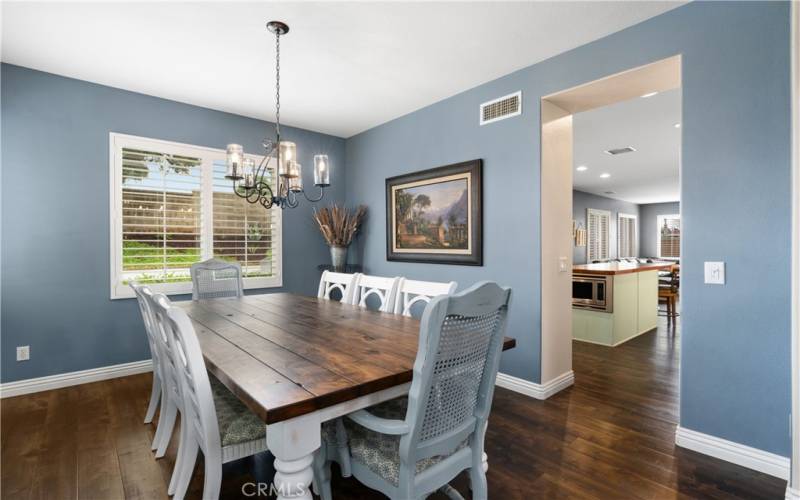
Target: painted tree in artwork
451, 220
421, 202
404, 201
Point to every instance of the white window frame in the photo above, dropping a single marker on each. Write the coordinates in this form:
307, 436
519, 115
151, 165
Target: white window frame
117, 142
635, 218
659, 223
599, 213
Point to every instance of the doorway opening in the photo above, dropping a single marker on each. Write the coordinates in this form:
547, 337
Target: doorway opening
611, 231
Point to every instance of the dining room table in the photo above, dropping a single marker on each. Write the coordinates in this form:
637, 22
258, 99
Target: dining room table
299, 361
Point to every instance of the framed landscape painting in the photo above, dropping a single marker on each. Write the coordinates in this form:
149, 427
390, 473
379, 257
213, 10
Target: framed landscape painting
435, 215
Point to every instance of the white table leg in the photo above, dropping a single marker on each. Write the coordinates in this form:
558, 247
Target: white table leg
293, 442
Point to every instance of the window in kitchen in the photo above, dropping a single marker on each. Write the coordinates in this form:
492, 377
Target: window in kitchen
669, 236
626, 235
172, 207
597, 223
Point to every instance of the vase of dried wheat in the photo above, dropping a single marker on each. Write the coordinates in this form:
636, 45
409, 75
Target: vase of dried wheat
338, 225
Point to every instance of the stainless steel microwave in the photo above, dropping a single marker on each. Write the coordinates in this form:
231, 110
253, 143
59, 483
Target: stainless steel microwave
592, 292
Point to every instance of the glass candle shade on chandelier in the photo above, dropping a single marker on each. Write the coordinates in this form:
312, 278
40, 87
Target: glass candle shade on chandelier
254, 182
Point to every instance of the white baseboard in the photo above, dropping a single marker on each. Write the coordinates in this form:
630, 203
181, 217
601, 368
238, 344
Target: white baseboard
534, 390
739, 454
40, 384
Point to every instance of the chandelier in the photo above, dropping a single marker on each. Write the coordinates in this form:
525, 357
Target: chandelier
252, 182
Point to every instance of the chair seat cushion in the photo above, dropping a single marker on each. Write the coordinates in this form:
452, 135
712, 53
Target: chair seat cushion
237, 424
381, 452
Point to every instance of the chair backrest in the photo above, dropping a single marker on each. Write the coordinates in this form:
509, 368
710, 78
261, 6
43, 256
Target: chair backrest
215, 278
461, 339
410, 292
148, 319
675, 278
169, 376
383, 288
194, 386
343, 282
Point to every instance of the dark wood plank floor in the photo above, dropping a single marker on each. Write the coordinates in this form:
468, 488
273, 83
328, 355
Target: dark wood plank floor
609, 436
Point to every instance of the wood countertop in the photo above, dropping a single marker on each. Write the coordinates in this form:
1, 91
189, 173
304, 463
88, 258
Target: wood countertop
614, 268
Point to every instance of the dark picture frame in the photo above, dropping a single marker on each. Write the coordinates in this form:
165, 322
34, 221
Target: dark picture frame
446, 234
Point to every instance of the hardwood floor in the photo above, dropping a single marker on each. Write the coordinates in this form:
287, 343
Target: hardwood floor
609, 436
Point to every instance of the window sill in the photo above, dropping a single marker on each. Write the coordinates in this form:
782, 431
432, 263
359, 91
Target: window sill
120, 291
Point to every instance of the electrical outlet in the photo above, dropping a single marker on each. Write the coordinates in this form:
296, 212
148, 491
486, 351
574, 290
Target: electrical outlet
23, 353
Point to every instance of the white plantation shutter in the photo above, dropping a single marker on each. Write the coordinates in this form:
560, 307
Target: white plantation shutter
243, 231
626, 235
597, 222
161, 208
669, 236
171, 207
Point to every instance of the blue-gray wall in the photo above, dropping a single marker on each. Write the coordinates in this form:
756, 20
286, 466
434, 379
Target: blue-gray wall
55, 217
648, 225
735, 374
581, 201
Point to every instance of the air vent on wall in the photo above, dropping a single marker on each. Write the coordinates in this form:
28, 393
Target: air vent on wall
501, 108
619, 151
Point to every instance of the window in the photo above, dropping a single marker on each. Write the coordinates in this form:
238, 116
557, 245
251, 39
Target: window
242, 231
669, 236
626, 236
597, 222
171, 207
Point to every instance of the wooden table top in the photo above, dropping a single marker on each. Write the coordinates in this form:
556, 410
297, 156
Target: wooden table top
285, 355
612, 268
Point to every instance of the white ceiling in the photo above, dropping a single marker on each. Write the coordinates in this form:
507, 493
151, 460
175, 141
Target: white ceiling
648, 175
346, 67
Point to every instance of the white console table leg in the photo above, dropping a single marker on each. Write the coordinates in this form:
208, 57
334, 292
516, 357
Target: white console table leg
293, 442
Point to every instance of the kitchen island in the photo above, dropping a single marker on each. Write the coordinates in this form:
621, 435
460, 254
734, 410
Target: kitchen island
623, 302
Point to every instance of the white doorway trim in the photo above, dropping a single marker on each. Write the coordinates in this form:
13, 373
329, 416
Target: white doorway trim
556, 244
793, 486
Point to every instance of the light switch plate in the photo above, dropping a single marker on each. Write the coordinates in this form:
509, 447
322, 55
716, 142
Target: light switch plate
715, 273
562, 265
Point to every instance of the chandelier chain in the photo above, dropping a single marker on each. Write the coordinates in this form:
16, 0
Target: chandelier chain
278, 85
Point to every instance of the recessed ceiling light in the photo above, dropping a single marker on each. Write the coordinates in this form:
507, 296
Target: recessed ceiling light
649, 94
605, 175
677, 125
582, 168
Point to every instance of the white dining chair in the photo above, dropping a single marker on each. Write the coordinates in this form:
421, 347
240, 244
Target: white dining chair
343, 282
410, 292
382, 288
171, 403
216, 278
413, 446
212, 419
149, 328
362, 287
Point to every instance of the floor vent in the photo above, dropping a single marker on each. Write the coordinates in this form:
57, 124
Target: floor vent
501, 108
